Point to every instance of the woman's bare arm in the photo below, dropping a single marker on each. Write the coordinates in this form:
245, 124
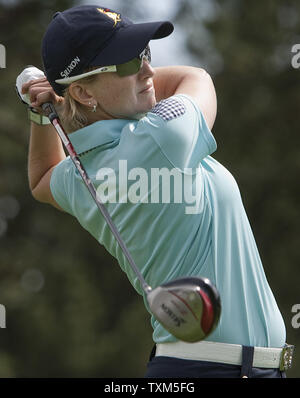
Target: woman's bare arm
195, 82
45, 147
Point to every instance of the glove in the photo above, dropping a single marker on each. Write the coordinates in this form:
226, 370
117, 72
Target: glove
30, 73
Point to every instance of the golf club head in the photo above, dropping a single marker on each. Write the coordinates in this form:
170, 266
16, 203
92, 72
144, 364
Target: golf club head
189, 308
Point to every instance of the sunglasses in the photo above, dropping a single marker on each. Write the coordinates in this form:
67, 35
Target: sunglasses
128, 68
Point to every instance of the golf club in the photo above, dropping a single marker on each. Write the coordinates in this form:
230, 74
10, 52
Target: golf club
189, 308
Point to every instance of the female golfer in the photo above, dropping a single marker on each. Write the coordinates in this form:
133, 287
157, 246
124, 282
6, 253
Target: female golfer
144, 137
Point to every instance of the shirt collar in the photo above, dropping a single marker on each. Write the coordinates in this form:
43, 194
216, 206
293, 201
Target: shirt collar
99, 133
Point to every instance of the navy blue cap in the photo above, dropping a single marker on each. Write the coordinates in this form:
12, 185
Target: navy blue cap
85, 36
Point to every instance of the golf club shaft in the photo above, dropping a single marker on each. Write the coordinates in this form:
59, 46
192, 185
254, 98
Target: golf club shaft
50, 111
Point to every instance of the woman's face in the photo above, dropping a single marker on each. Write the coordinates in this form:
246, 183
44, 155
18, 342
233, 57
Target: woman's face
124, 97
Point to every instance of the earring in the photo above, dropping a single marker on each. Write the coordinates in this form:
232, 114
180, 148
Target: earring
94, 107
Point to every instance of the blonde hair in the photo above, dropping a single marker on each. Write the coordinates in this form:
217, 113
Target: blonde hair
74, 114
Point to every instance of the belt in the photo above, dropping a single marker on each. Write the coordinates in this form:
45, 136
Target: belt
264, 357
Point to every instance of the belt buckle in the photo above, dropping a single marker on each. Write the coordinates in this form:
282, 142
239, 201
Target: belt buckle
286, 357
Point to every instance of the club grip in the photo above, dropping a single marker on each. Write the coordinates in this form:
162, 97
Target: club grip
50, 111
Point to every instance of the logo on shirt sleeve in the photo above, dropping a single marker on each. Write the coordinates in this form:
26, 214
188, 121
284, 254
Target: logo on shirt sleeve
169, 109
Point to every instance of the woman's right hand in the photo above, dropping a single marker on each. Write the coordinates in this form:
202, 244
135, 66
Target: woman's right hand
39, 92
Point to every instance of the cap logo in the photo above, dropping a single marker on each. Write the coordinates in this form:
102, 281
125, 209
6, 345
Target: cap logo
70, 67
112, 15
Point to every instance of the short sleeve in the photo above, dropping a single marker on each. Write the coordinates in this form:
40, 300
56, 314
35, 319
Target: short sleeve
179, 128
60, 183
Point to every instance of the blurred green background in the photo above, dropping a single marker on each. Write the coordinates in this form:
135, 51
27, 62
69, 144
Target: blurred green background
70, 311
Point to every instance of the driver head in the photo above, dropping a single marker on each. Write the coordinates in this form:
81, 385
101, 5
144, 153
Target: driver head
189, 308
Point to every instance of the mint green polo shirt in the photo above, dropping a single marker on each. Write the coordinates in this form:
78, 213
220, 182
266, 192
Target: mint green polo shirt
178, 210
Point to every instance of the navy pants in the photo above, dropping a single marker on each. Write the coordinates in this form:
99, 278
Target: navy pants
160, 366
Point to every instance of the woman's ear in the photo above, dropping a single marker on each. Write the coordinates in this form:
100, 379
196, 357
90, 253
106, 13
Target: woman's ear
81, 94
